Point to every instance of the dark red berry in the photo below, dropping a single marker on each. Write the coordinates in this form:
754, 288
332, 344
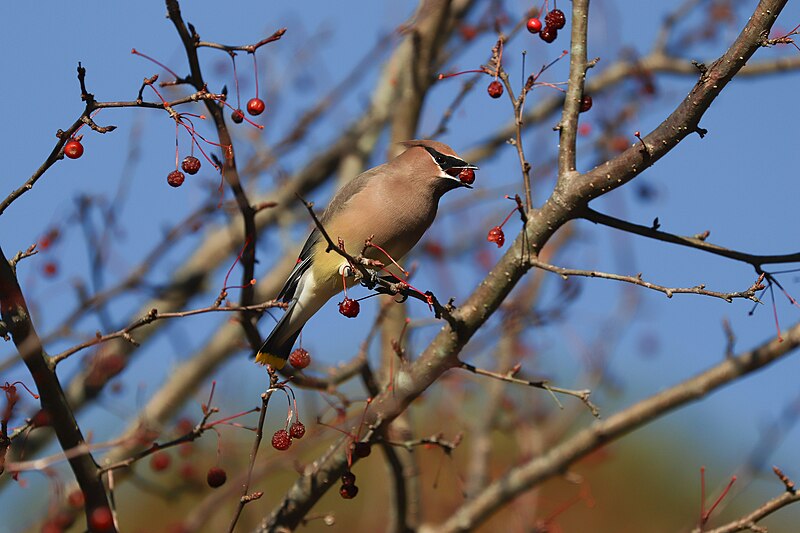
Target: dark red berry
495, 89
101, 519
175, 178
349, 308
159, 461
534, 25
73, 149
300, 358
556, 19
362, 449
75, 499
467, 176
50, 269
237, 116
548, 34
281, 440
348, 478
190, 165
297, 430
348, 492
496, 236
256, 106
217, 477
586, 103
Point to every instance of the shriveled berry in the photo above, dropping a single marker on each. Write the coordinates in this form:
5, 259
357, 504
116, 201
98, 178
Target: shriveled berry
299, 358
467, 176
101, 519
362, 449
495, 89
348, 492
175, 178
548, 34
160, 461
348, 478
349, 308
556, 19
190, 165
281, 440
237, 116
73, 149
256, 106
496, 236
217, 477
297, 430
534, 25
586, 103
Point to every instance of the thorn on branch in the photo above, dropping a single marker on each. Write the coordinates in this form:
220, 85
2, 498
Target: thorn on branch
700, 131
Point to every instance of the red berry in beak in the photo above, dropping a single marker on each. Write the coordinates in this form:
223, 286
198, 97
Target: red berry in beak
467, 176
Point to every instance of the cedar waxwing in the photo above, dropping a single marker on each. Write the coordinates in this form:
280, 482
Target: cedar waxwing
395, 203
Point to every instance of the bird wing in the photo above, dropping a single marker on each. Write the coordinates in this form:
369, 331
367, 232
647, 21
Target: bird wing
306, 257
303, 264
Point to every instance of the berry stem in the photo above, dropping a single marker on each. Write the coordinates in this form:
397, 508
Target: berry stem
134, 51
236, 81
255, 72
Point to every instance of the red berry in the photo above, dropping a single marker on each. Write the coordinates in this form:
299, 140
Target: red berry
217, 477
300, 358
348, 492
495, 89
159, 461
51, 527
175, 178
496, 236
281, 440
467, 176
586, 103
256, 106
237, 116
548, 34
556, 19
190, 165
362, 449
50, 269
349, 308
73, 149
297, 430
534, 25
348, 478
75, 499
101, 519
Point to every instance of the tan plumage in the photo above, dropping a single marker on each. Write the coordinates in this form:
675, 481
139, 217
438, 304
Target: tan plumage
395, 203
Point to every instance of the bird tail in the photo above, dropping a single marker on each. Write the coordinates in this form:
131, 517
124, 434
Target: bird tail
275, 350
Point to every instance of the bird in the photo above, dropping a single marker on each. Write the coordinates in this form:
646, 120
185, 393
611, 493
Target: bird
393, 205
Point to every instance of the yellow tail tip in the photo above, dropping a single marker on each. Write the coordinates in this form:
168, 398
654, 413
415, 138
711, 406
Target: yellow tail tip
270, 359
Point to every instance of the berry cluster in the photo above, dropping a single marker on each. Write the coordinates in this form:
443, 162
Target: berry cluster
553, 21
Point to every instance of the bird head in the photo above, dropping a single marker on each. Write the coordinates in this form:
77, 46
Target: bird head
439, 162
